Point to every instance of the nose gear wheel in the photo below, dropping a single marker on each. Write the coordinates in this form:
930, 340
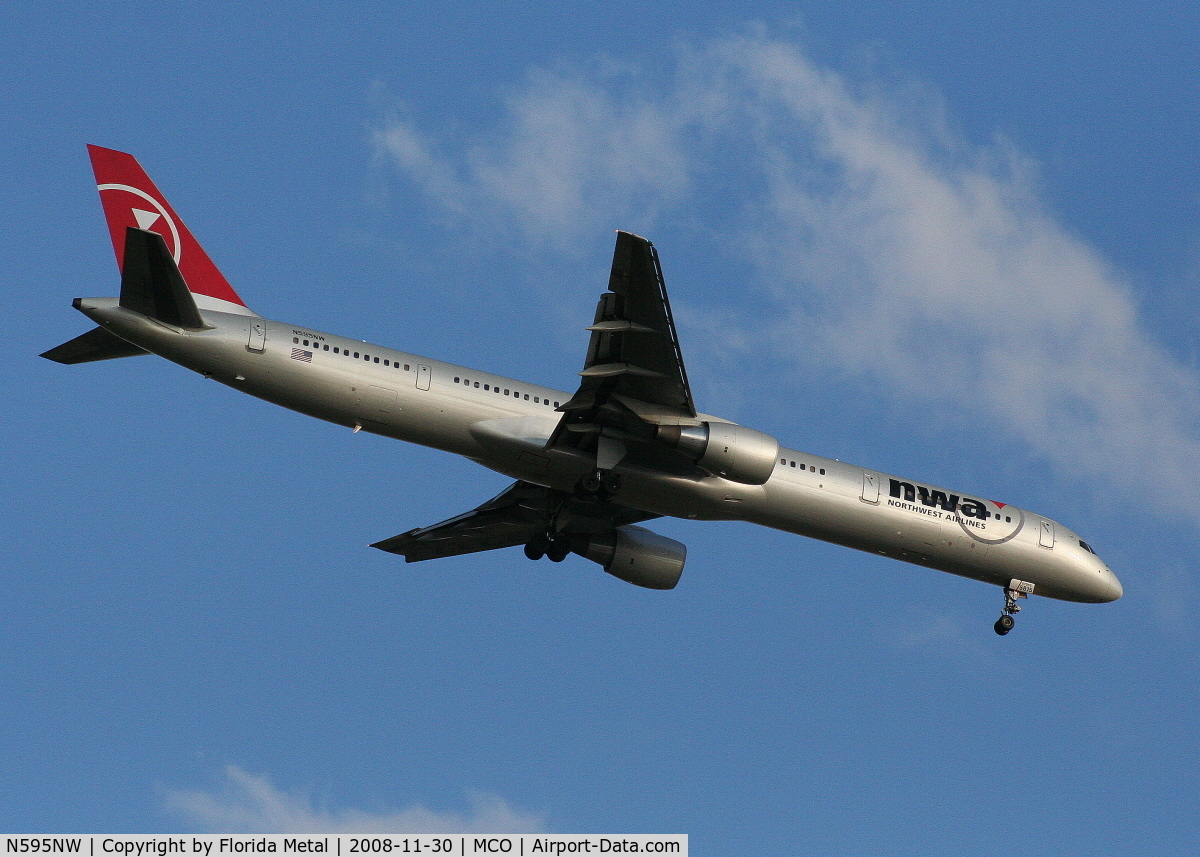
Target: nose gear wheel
1006, 621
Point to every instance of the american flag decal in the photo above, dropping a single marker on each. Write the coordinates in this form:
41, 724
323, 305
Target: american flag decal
301, 354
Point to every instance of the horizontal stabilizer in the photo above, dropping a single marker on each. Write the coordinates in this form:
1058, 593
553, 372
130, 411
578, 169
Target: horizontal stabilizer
97, 344
151, 283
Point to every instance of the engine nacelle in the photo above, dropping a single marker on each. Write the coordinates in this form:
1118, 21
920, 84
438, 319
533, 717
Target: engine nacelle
731, 451
638, 556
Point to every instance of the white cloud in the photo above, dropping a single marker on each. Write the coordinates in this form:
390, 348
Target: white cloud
569, 155
888, 247
251, 804
943, 276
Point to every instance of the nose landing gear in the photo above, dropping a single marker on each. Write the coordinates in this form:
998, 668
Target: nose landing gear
1015, 589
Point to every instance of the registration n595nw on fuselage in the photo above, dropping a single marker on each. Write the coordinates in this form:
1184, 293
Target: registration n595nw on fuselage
590, 465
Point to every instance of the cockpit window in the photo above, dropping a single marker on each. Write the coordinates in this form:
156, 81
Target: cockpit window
1086, 546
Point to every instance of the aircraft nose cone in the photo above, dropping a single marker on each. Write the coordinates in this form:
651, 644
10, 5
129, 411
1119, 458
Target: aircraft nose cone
1110, 588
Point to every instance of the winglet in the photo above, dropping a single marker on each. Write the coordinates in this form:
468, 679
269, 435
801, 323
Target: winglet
131, 199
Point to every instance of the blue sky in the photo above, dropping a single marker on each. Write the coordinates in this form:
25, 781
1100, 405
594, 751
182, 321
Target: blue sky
957, 244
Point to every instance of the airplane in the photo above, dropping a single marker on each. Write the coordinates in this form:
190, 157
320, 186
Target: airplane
589, 466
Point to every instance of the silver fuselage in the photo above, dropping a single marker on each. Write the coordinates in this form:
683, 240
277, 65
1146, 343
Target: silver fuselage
504, 424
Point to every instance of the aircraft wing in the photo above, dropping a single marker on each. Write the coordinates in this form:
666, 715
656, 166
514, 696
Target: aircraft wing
633, 376
511, 518
634, 351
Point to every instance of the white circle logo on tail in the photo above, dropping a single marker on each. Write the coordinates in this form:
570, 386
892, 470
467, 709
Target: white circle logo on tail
148, 219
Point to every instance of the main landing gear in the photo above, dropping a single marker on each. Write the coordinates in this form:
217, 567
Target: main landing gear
598, 485
1006, 621
556, 546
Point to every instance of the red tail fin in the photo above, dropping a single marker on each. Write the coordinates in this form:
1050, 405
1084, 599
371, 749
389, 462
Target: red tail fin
131, 199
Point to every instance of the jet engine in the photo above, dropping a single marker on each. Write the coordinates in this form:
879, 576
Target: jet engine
734, 452
637, 556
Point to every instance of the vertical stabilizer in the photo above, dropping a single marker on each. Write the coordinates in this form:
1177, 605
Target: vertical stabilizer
131, 199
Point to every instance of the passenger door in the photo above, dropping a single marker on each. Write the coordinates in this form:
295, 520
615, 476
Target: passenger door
1046, 534
258, 335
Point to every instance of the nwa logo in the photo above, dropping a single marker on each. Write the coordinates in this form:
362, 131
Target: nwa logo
967, 513
966, 507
